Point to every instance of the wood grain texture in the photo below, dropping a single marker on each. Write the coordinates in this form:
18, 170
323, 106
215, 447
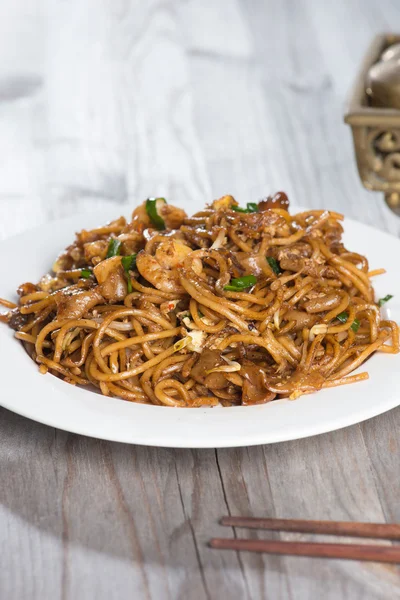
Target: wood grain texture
102, 104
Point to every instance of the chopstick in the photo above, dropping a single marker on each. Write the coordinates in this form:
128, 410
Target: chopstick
386, 531
366, 552
387, 554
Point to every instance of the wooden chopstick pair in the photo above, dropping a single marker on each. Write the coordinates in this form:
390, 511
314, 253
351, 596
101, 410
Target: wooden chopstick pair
369, 552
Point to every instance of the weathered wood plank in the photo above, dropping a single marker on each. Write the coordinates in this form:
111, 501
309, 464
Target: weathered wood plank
325, 477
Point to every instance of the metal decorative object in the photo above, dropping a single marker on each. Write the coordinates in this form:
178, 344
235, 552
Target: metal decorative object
376, 129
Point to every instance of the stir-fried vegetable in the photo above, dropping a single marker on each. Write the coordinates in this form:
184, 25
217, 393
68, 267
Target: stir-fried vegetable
241, 283
343, 316
153, 206
251, 207
114, 248
180, 344
129, 263
86, 273
383, 301
273, 263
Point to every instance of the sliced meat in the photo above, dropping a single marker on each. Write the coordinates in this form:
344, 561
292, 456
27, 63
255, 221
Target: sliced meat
278, 200
291, 262
301, 318
16, 320
74, 303
323, 302
209, 359
255, 390
252, 263
111, 277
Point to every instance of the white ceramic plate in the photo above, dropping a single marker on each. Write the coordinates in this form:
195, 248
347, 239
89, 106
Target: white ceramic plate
51, 401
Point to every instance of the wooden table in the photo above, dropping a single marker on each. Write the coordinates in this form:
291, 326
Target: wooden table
104, 104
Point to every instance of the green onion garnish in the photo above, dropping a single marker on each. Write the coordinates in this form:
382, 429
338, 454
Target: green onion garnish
114, 248
86, 273
273, 263
129, 263
343, 316
152, 208
382, 301
241, 283
251, 207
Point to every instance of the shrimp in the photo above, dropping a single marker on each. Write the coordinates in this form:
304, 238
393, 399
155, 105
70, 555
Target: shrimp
172, 216
140, 217
162, 269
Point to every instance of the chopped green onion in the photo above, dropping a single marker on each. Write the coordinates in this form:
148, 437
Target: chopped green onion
152, 208
382, 301
241, 283
86, 273
114, 248
239, 209
273, 263
251, 208
129, 263
343, 316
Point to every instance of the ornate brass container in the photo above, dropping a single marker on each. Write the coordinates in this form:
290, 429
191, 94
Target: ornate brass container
376, 131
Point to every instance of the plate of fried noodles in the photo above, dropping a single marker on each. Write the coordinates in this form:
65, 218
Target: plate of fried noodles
235, 325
